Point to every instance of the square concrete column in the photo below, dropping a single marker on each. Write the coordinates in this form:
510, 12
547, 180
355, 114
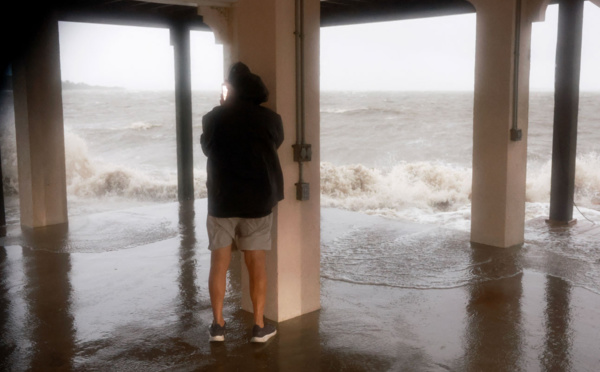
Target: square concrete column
499, 163
263, 37
40, 130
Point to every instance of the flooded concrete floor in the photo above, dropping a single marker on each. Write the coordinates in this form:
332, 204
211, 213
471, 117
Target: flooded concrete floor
127, 291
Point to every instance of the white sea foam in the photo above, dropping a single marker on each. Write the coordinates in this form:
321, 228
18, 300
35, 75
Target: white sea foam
425, 192
93, 178
140, 125
355, 111
419, 192
438, 188
89, 177
587, 181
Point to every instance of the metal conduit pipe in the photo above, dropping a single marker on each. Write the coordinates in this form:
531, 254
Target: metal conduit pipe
516, 134
302, 150
299, 32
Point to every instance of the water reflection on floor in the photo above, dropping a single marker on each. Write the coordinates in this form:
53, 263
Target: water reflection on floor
127, 290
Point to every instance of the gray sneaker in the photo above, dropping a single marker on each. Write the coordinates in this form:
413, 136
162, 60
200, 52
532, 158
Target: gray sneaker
216, 332
263, 334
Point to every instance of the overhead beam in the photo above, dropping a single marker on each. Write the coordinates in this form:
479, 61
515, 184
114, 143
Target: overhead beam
344, 12
133, 13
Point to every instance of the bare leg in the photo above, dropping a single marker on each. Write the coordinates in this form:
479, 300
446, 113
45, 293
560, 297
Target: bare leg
257, 273
217, 281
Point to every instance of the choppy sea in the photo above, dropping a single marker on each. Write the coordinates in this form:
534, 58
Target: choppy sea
402, 155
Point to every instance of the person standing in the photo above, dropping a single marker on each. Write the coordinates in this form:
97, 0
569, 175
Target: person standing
244, 182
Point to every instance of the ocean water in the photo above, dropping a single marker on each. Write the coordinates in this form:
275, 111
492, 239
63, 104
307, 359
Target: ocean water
402, 155
408, 155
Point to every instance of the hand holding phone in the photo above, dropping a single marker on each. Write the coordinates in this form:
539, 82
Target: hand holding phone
224, 91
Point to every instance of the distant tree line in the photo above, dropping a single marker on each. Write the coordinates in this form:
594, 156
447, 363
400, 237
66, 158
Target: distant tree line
69, 85
6, 84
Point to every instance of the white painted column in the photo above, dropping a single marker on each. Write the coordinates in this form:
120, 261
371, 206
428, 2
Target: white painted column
499, 164
40, 131
262, 36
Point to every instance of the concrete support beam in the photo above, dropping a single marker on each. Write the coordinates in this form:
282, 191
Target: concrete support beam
566, 109
180, 39
40, 130
219, 19
262, 36
499, 164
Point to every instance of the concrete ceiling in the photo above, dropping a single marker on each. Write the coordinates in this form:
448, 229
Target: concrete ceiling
147, 13
19, 19
343, 12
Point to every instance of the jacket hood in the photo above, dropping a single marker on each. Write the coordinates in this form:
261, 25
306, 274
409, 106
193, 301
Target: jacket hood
248, 86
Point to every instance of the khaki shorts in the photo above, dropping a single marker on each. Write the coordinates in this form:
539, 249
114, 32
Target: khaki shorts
248, 234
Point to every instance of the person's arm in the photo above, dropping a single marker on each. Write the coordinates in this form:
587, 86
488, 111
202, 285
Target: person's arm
278, 132
206, 139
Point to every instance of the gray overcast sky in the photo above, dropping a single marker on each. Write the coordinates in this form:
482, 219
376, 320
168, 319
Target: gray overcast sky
426, 54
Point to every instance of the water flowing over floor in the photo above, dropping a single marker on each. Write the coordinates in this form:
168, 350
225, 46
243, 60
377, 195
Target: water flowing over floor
127, 290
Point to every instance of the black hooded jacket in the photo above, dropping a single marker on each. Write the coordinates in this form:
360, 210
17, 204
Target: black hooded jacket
240, 139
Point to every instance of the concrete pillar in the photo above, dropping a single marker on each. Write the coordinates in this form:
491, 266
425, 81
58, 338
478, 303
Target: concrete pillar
180, 39
261, 34
566, 109
40, 130
499, 164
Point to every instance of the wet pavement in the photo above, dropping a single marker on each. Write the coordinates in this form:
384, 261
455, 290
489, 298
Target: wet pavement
127, 291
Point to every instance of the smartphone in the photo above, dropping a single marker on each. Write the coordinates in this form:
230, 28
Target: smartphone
224, 91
